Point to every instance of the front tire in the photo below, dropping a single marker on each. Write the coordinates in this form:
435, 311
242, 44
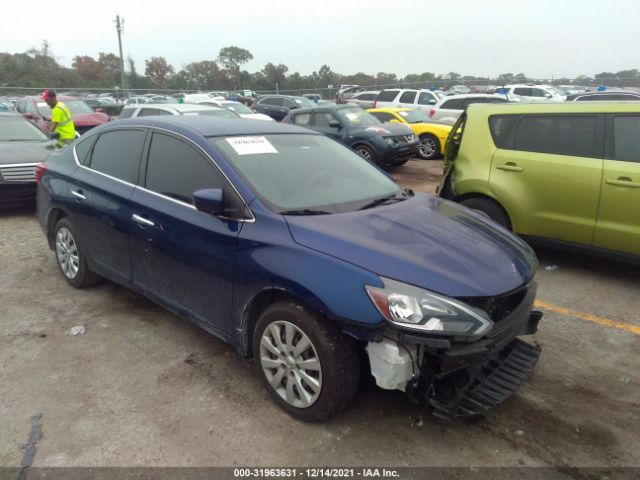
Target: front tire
366, 153
71, 256
489, 208
429, 148
310, 369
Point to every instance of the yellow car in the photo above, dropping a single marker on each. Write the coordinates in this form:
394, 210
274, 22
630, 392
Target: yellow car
433, 136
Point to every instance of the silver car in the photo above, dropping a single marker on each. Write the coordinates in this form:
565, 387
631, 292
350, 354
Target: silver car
365, 99
448, 109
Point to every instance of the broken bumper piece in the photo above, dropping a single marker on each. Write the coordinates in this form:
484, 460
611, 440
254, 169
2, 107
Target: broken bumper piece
475, 391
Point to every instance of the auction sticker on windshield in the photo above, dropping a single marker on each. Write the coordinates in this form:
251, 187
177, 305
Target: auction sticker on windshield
251, 145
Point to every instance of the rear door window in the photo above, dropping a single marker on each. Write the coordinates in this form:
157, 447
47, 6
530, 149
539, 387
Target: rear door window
148, 112
455, 104
501, 127
525, 92
388, 95
117, 154
425, 98
408, 97
560, 135
302, 119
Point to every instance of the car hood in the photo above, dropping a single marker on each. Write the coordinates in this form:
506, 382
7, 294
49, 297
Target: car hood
424, 241
89, 119
24, 152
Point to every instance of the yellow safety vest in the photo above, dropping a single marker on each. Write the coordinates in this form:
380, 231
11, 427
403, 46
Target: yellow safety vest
61, 115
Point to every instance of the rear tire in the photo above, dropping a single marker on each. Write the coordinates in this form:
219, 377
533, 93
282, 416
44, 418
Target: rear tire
490, 208
310, 369
71, 256
429, 148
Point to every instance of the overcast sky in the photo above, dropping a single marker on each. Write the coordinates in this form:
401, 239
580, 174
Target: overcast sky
540, 38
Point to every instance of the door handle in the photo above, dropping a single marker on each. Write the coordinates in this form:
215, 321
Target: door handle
142, 221
510, 167
623, 182
78, 194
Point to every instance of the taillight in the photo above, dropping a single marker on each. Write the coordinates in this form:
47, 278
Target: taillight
40, 169
432, 112
375, 103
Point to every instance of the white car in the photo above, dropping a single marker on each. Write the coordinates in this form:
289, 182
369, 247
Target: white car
238, 108
407, 98
535, 93
448, 109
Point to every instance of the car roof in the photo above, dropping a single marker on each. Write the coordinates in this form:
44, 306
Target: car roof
554, 107
324, 108
472, 95
178, 107
209, 126
391, 109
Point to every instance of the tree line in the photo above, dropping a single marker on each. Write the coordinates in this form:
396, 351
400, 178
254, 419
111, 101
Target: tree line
38, 68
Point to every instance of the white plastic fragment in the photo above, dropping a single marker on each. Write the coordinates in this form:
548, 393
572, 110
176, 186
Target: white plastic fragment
520, 433
78, 330
551, 268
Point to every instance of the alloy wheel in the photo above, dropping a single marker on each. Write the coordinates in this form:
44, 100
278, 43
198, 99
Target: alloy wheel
427, 147
291, 364
67, 253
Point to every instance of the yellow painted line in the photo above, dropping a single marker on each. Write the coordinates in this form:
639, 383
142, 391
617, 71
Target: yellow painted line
607, 322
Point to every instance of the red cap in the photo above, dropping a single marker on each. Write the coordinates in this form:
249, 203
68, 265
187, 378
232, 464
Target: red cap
48, 93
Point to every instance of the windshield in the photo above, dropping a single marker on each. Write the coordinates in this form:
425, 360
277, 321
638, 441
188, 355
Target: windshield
74, 106
16, 129
77, 106
214, 113
415, 116
558, 91
357, 116
239, 108
299, 172
304, 102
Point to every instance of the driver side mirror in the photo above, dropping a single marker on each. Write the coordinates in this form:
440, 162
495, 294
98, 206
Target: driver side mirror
334, 123
547, 95
209, 200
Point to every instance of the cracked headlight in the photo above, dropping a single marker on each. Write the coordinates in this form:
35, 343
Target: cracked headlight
414, 308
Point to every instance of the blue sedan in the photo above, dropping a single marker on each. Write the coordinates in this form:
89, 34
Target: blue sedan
301, 254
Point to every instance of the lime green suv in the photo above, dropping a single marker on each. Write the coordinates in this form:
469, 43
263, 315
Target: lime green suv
565, 172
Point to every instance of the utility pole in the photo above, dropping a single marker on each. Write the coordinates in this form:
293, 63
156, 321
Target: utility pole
120, 29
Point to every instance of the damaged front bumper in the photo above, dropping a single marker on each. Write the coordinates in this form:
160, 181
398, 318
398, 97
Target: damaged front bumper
458, 379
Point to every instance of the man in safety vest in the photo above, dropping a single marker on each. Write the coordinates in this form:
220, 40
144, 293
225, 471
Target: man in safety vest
61, 121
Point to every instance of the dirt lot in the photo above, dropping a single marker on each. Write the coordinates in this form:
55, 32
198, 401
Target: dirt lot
143, 387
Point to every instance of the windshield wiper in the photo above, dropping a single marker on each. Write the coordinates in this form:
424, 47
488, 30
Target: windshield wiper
396, 197
304, 211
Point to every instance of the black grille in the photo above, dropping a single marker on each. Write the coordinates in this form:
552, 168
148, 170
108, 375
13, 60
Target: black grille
500, 306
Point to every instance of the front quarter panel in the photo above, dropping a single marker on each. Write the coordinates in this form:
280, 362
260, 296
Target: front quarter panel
269, 259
